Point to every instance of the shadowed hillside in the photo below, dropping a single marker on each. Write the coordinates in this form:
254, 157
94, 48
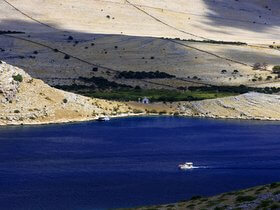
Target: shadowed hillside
65, 42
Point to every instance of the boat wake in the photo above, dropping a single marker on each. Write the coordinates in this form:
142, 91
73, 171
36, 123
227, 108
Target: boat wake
235, 168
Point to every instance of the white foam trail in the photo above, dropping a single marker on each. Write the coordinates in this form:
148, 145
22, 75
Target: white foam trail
200, 167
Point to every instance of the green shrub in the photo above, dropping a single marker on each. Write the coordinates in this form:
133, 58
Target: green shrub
274, 206
16, 111
18, 78
176, 114
265, 203
162, 112
245, 198
276, 69
274, 185
277, 192
137, 111
196, 197
65, 100
268, 77
144, 75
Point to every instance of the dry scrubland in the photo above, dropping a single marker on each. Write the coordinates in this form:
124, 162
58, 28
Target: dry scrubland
24, 100
125, 35
90, 42
261, 197
250, 106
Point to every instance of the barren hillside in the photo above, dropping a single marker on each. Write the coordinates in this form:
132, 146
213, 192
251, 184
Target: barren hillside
64, 41
250, 106
24, 100
256, 21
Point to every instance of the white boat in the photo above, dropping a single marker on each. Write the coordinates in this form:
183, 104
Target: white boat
103, 119
186, 166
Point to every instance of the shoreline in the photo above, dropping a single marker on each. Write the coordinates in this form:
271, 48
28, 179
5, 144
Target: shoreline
94, 119
259, 196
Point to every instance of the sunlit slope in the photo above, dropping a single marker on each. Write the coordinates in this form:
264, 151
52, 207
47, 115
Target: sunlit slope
115, 54
118, 36
253, 21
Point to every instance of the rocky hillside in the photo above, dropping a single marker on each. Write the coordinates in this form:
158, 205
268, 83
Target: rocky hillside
246, 106
24, 100
61, 42
261, 197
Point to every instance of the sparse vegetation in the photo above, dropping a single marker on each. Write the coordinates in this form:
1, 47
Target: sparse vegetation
144, 75
11, 32
70, 38
18, 78
66, 56
155, 95
236, 89
276, 69
211, 41
224, 71
245, 198
260, 66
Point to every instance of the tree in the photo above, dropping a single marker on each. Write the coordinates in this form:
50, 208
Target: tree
276, 69
260, 66
257, 66
18, 78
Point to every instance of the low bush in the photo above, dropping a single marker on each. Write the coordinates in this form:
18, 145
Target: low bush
274, 185
100, 83
18, 78
137, 111
274, 206
260, 66
245, 198
12, 32
265, 203
224, 71
276, 69
67, 57
144, 75
70, 38
196, 197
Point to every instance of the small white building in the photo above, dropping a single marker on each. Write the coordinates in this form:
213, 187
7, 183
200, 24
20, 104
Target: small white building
145, 100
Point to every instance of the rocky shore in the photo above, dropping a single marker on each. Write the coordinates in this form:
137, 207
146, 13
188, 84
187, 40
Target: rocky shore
24, 100
260, 197
249, 106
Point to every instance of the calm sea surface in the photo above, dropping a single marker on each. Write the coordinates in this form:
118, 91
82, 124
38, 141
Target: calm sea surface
133, 161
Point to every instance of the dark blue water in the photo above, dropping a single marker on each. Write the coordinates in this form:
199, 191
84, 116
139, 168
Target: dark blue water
133, 161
